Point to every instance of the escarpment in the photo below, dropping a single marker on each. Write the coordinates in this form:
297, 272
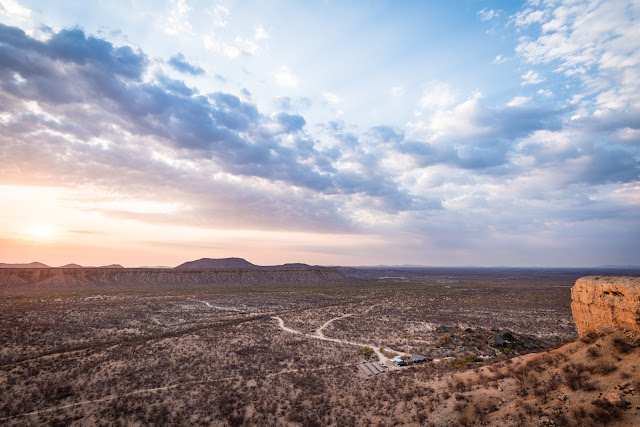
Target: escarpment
606, 302
105, 278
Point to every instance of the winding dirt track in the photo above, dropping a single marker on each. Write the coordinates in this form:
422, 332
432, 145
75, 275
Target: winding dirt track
320, 336
319, 332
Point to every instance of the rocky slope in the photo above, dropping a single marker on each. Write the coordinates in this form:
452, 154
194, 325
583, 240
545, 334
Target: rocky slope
612, 301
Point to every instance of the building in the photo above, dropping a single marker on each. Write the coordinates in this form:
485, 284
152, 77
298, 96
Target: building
416, 358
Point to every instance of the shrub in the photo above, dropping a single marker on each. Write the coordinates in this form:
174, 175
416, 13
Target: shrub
445, 339
365, 351
589, 337
606, 411
623, 346
605, 368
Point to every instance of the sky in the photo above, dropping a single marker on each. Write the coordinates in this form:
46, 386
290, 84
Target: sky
465, 133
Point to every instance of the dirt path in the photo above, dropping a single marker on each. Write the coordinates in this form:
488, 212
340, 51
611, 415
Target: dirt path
381, 357
319, 332
217, 307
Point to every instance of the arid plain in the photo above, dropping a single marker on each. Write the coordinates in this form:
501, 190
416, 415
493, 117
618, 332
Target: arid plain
95, 347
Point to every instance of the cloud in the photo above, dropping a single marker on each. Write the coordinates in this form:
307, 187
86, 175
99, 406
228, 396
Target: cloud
291, 122
86, 101
500, 59
528, 17
488, 14
220, 15
531, 78
518, 101
180, 63
260, 33
284, 77
14, 10
239, 45
78, 110
212, 43
178, 21
437, 94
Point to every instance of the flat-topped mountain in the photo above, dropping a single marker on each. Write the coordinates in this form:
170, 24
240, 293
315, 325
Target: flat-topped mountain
233, 263
216, 263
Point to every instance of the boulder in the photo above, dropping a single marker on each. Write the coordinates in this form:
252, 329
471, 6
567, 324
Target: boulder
612, 301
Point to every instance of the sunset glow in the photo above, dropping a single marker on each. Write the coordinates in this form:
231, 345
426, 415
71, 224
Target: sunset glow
40, 232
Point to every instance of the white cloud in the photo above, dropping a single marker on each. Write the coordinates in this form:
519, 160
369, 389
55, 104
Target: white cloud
260, 33
486, 15
531, 78
225, 49
462, 121
436, 95
500, 59
286, 78
178, 21
518, 101
596, 43
14, 10
220, 15
247, 46
528, 17
545, 92
239, 45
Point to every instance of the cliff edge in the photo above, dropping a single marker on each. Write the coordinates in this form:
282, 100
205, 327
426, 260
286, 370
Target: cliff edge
612, 301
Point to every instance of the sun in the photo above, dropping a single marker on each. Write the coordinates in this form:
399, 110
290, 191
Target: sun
41, 231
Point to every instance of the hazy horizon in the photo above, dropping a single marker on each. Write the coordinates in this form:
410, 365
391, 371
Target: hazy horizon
408, 266
480, 133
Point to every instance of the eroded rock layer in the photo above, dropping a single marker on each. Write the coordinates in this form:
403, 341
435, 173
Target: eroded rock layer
611, 301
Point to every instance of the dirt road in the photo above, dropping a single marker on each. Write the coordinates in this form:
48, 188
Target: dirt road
320, 336
319, 332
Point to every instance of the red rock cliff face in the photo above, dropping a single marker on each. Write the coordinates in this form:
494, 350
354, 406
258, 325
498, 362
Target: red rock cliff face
606, 301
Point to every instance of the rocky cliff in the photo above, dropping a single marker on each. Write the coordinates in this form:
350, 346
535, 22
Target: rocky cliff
606, 301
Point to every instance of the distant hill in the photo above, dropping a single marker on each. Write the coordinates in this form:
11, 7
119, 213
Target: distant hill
29, 265
71, 266
294, 265
217, 263
111, 266
41, 265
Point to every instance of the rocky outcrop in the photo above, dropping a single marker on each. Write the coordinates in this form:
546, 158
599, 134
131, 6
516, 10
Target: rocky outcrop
612, 301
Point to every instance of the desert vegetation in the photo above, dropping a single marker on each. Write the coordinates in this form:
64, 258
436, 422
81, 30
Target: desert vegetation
216, 356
